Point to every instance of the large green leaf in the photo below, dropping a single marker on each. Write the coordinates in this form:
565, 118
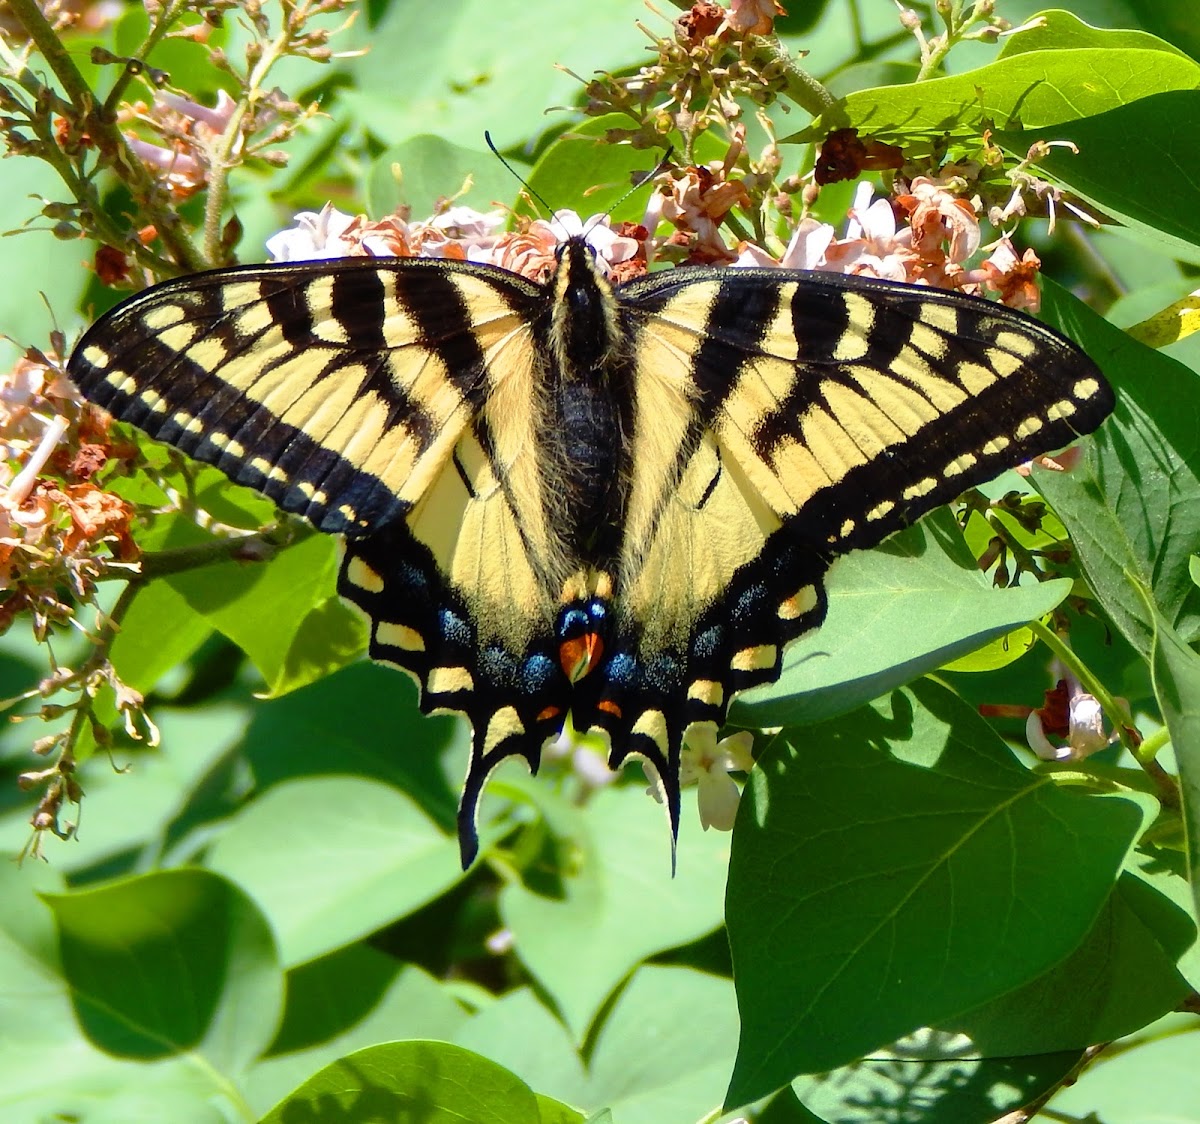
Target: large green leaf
332, 859
1132, 506
665, 1050
1057, 30
158, 632
353, 998
519, 1033
1121, 978
1030, 90
618, 901
444, 1084
1150, 140
49, 1072
283, 614
1164, 868
170, 962
896, 612
363, 721
895, 867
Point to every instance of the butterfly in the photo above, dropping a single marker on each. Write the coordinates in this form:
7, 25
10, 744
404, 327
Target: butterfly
613, 503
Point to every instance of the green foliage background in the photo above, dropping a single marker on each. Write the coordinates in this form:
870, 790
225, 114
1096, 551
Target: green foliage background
265, 919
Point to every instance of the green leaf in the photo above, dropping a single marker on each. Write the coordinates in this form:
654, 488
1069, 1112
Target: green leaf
1057, 30
895, 867
666, 1049
580, 173
785, 1108
158, 632
618, 904
1176, 671
353, 998
265, 609
1132, 506
124, 944
446, 77
555, 1112
431, 1081
1175, 22
895, 612
362, 721
1151, 142
519, 1033
332, 859
48, 1071
431, 168
1164, 870
1157, 1082
1121, 978
1030, 90
330, 636
892, 1085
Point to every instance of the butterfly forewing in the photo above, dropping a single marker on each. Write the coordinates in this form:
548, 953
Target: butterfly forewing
757, 424
340, 390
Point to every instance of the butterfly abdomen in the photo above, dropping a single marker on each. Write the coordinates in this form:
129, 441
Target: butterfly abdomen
588, 387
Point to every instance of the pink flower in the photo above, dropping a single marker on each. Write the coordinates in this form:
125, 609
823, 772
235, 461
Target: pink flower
1069, 713
753, 17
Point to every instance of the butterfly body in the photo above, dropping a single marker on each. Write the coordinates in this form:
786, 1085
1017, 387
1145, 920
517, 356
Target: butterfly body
613, 502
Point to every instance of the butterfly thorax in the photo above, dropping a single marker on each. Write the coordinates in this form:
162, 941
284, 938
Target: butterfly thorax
586, 387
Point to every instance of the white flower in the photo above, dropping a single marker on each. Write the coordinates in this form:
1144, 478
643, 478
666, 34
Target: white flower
707, 763
806, 250
610, 247
315, 236
467, 223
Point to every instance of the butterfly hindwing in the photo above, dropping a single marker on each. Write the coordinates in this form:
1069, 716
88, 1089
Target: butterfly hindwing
617, 504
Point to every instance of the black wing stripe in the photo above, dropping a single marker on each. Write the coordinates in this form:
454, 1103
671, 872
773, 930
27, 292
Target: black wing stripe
288, 306
357, 304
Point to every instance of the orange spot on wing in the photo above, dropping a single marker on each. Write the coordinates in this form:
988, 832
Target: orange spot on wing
548, 713
580, 655
609, 707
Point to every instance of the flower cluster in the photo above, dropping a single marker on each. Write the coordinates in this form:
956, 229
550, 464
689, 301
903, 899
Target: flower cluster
190, 134
714, 61
924, 234
60, 533
462, 234
58, 530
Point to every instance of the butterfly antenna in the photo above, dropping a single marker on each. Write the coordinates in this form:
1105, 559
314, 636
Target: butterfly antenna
516, 175
642, 179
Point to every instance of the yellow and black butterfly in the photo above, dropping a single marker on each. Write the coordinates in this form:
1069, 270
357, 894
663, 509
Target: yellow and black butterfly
617, 502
